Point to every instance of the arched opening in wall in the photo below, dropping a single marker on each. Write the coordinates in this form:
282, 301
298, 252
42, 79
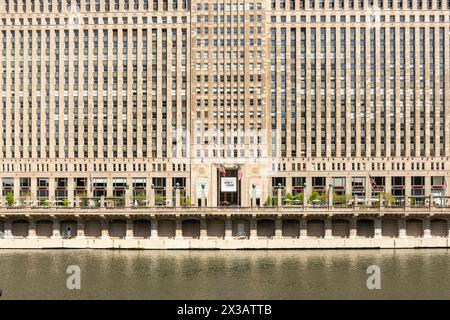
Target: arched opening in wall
389, 228
68, 229
92, 229
315, 228
117, 228
241, 228
340, 228
166, 228
291, 228
439, 228
19, 228
142, 228
265, 228
215, 228
191, 228
414, 228
365, 228
44, 228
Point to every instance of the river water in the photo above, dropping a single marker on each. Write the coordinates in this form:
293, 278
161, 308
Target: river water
280, 274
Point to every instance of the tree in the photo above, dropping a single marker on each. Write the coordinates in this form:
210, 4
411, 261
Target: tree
9, 199
65, 203
288, 198
269, 201
159, 199
299, 196
140, 196
314, 196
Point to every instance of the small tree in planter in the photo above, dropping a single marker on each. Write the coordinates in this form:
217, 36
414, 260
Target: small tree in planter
46, 203
299, 196
65, 203
314, 196
10, 199
269, 201
288, 198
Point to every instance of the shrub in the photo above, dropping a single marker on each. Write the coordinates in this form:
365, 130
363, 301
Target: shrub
9, 199
66, 203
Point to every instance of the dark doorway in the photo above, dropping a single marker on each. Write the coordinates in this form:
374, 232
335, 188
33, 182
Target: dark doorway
229, 198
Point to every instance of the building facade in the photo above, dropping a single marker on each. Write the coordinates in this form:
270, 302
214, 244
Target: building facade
224, 102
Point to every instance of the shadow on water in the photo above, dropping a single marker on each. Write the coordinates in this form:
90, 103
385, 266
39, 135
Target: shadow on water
284, 274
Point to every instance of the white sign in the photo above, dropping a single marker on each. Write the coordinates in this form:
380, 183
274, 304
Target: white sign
228, 185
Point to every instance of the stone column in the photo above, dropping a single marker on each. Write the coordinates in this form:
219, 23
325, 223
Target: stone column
368, 191
8, 229
70, 191
378, 233
105, 229
203, 199
129, 230
303, 228
203, 229
177, 198
51, 191
279, 197
102, 201
427, 228
408, 191
402, 228
328, 229
253, 191
80, 229
179, 229
353, 228
228, 228
154, 229
278, 228
330, 196
33, 191
16, 190
169, 192
152, 197
56, 229
128, 197
32, 229
253, 228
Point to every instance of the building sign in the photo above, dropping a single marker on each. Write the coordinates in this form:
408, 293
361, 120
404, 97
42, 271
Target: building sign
228, 184
199, 189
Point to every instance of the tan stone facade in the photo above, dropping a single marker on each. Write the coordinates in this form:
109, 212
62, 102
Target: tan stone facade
103, 99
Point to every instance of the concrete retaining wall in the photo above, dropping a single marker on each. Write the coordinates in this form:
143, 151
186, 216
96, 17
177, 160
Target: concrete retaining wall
336, 243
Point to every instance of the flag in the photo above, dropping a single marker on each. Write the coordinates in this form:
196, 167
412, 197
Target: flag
239, 172
222, 170
445, 183
372, 181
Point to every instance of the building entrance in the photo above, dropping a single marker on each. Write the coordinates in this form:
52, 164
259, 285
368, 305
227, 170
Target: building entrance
229, 188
